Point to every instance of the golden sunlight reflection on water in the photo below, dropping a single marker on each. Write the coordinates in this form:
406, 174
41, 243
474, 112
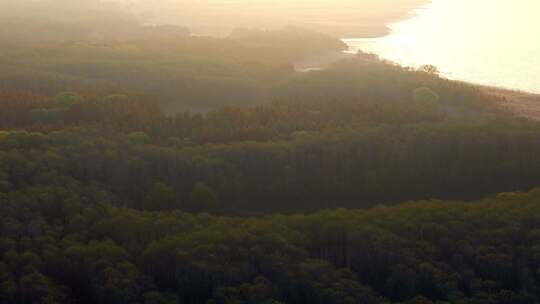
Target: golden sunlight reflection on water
491, 42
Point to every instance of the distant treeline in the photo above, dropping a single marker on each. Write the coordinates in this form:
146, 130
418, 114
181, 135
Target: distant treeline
363, 132
181, 72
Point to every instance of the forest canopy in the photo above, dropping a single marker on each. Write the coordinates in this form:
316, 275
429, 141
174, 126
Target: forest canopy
58, 248
142, 163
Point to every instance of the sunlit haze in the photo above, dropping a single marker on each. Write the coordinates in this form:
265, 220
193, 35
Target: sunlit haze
269, 152
486, 41
345, 17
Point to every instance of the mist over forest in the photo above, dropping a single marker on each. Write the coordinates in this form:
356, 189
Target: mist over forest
343, 18
234, 152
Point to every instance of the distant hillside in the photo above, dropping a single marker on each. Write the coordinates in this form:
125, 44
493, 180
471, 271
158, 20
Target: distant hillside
341, 18
182, 72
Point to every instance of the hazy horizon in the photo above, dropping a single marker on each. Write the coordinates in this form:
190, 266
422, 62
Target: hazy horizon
342, 18
492, 44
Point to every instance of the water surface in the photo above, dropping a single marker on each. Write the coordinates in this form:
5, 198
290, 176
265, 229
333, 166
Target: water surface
491, 42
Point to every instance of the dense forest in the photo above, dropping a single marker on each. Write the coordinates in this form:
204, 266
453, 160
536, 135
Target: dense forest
106, 198
181, 71
342, 137
61, 246
143, 164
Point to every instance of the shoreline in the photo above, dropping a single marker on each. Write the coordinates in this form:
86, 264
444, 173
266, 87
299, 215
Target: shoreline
520, 103
385, 29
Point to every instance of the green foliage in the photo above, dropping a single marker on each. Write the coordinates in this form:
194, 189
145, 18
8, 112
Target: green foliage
67, 99
203, 198
287, 42
421, 252
94, 194
47, 116
342, 137
181, 72
160, 197
23, 140
430, 69
138, 138
159, 298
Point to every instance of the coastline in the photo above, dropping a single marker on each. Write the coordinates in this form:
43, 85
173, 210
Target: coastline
379, 29
520, 103
372, 20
